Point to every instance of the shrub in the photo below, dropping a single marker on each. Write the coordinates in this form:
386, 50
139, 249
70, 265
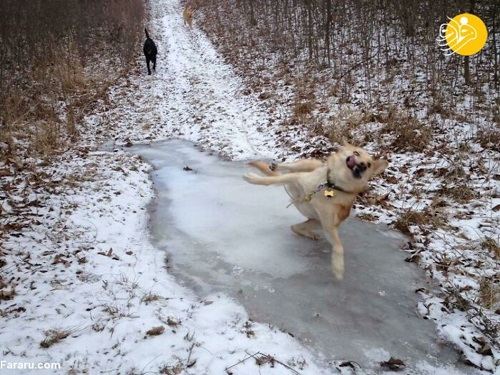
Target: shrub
51, 51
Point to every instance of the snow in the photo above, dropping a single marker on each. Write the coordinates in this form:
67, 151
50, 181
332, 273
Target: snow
86, 268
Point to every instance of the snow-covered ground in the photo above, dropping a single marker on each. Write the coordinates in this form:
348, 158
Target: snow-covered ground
86, 289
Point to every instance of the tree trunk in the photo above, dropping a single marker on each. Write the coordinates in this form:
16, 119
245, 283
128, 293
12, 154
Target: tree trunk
467, 70
494, 13
327, 29
310, 31
472, 4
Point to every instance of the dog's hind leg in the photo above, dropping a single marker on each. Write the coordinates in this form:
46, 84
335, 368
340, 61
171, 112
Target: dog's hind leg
147, 64
306, 228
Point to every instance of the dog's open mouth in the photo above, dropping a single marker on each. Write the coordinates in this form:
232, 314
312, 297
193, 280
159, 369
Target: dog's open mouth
356, 168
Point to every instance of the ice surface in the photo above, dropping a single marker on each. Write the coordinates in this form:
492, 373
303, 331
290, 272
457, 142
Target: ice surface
225, 235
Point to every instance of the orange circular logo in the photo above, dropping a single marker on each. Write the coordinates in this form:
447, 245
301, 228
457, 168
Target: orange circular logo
465, 35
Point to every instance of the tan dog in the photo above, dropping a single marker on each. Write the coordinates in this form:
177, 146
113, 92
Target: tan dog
187, 15
324, 192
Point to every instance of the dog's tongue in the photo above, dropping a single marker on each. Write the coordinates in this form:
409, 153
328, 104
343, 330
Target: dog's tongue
351, 162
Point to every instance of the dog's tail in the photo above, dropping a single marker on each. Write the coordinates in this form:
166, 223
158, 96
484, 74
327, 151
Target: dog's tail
147, 35
265, 168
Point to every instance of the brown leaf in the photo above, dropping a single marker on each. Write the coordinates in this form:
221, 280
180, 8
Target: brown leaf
486, 350
172, 323
4, 172
156, 331
348, 364
6, 295
59, 258
393, 364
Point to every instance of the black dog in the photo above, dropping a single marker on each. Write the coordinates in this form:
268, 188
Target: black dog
150, 52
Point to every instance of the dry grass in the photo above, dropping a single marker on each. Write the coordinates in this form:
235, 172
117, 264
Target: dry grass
49, 124
461, 193
44, 94
437, 108
489, 292
492, 246
409, 134
47, 137
150, 297
338, 133
303, 109
427, 217
173, 369
343, 127
489, 138
53, 336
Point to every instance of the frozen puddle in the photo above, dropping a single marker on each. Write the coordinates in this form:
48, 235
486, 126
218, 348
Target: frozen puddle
225, 235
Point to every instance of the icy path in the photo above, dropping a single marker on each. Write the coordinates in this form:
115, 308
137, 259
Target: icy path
224, 235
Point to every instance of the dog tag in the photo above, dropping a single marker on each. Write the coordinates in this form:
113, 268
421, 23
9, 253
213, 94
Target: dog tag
329, 193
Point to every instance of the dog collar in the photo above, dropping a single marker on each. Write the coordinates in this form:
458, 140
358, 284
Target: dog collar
328, 188
331, 185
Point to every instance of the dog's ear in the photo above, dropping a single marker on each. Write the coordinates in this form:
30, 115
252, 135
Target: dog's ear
346, 144
379, 165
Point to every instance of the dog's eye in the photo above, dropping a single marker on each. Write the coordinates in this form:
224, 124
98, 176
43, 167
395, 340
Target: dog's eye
356, 153
369, 165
